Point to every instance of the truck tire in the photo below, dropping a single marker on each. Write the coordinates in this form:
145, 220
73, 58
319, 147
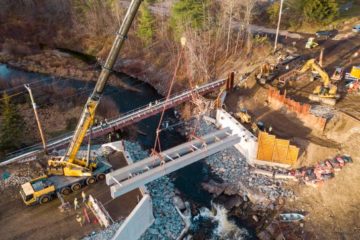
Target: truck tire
76, 187
65, 191
100, 177
90, 180
44, 199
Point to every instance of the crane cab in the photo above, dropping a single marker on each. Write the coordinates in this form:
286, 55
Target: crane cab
38, 190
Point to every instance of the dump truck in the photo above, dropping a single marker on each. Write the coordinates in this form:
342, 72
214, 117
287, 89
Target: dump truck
69, 172
44, 188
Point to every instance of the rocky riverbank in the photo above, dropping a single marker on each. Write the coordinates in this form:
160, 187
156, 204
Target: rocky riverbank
252, 199
168, 224
68, 64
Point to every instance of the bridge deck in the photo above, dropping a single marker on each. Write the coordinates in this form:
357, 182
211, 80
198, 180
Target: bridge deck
151, 168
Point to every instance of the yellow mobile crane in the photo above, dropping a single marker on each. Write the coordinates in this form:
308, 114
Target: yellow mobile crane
69, 173
327, 92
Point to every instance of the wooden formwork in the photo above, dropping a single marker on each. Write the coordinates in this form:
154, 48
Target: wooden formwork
276, 150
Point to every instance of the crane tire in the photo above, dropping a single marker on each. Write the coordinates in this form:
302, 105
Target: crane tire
90, 180
76, 187
100, 177
65, 191
44, 199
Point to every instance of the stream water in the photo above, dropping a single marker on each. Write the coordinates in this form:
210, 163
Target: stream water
207, 224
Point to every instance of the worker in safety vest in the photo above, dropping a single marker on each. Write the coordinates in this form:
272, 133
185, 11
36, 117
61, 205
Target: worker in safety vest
83, 195
76, 203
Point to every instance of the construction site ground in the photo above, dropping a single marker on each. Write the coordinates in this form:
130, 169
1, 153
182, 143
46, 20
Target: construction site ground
19, 221
333, 207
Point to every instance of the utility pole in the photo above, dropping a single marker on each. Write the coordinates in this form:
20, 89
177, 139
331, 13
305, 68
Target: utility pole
278, 25
37, 117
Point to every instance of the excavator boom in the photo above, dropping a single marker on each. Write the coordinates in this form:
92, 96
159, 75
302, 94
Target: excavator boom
314, 66
327, 93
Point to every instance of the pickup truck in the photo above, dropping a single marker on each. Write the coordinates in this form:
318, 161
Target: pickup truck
45, 188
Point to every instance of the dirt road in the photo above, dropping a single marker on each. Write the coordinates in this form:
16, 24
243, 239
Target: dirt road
18, 221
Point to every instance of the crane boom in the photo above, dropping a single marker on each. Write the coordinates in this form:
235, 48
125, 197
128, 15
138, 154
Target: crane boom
88, 113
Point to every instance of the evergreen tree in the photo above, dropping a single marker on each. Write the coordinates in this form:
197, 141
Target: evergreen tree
320, 11
12, 126
188, 13
145, 29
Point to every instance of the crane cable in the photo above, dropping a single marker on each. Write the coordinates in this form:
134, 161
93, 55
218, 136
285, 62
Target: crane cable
157, 138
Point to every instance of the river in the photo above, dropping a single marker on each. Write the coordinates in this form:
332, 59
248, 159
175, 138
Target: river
207, 224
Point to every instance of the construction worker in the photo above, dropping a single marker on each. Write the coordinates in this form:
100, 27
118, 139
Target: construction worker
79, 220
270, 129
76, 204
254, 127
83, 195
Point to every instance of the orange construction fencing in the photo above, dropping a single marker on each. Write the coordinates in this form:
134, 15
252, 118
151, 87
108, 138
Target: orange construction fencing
278, 101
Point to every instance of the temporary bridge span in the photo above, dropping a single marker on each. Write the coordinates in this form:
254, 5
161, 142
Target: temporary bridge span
137, 174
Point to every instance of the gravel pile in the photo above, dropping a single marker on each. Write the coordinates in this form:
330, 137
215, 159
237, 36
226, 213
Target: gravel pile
13, 181
322, 111
18, 174
168, 224
232, 167
107, 233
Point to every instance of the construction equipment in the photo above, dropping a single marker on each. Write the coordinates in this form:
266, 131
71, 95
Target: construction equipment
327, 92
338, 74
353, 80
311, 43
266, 74
69, 172
243, 116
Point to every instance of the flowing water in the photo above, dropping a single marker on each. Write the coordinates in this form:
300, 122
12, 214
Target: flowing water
208, 224
224, 228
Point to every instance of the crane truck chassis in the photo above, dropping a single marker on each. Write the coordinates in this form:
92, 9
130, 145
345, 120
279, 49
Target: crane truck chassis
43, 189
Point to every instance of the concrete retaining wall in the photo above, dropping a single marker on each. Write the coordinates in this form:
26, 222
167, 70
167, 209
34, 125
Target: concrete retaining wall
141, 218
137, 222
248, 143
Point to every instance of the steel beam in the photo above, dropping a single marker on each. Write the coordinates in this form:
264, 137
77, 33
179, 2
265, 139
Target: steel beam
171, 166
173, 153
115, 124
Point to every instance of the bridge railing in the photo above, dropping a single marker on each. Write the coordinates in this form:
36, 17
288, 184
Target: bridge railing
124, 117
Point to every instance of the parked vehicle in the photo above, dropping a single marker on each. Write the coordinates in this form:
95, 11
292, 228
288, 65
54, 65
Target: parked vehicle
326, 34
356, 28
338, 74
291, 217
